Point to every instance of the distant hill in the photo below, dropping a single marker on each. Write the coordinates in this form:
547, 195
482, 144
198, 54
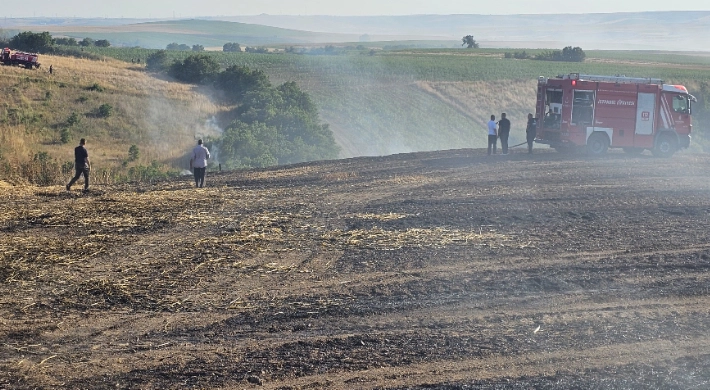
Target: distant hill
675, 31
613, 31
209, 33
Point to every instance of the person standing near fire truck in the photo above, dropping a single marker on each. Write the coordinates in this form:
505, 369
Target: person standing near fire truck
82, 166
503, 132
531, 132
492, 134
198, 162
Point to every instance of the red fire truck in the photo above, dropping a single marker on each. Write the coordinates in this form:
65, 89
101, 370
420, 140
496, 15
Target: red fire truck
28, 60
602, 112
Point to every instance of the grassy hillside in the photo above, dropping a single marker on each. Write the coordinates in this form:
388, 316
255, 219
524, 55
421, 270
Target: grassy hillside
162, 118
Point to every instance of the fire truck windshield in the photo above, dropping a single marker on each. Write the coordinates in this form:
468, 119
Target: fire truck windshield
681, 104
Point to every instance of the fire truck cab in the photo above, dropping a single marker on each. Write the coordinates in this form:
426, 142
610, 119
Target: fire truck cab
602, 112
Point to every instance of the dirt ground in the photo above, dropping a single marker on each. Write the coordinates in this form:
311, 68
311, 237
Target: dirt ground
442, 270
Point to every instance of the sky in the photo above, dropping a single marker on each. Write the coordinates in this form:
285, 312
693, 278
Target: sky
186, 9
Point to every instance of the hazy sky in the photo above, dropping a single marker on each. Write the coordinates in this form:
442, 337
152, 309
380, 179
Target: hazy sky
186, 9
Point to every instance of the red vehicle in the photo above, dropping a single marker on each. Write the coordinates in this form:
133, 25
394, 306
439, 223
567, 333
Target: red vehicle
28, 60
602, 112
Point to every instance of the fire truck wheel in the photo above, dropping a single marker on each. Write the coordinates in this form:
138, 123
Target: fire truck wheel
666, 146
633, 150
597, 144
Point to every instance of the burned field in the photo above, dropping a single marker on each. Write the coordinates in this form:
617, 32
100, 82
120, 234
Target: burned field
447, 270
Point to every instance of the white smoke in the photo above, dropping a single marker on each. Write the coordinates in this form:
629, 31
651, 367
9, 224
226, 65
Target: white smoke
211, 129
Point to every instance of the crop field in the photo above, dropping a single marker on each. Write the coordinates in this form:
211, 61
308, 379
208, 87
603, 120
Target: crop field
438, 270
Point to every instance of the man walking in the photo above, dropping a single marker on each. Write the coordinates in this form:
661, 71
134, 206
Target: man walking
503, 132
492, 134
531, 132
81, 165
198, 163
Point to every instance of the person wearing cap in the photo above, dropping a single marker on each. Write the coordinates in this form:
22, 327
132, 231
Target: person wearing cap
198, 163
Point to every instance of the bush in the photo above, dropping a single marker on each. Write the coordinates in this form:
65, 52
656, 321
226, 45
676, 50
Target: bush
96, 87
276, 126
158, 61
73, 119
66, 41
231, 47
86, 42
133, 153
105, 110
102, 43
568, 54
236, 81
65, 136
177, 47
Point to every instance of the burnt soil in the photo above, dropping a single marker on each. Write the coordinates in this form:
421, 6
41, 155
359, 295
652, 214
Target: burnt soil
441, 270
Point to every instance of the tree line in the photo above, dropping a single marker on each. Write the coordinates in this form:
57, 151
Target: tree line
44, 42
568, 54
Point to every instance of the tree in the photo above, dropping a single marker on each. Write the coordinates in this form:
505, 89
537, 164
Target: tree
568, 54
86, 42
33, 42
198, 48
157, 61
66, 41
102, 43
236, 81
177, 47
469, 42
231, 47
299, 134
573, 54
196, 69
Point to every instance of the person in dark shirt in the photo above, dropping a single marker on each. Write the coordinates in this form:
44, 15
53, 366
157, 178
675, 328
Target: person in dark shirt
504, 132
531, 132
82, 165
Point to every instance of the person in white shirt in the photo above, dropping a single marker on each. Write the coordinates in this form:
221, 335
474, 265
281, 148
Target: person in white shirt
492, 134
198, 163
